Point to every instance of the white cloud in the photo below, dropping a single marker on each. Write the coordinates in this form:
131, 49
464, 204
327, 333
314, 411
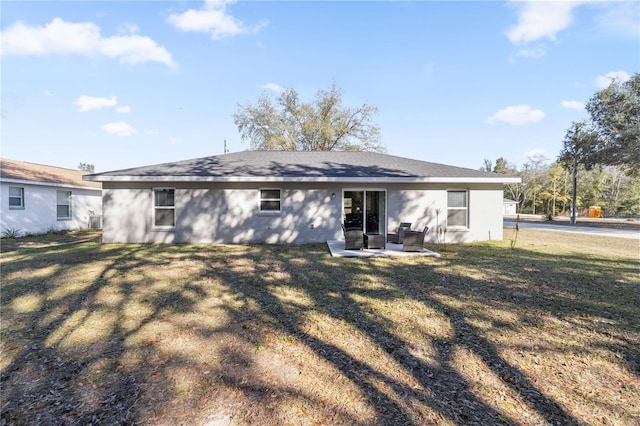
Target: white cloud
175, 141
577, 105
517, 115
533, 53
46, 93
87, 103
539, 20
621, 18
212, 18
537, 155
603, 81
126, 109
272, 86
120, 129
128, 28
80, 38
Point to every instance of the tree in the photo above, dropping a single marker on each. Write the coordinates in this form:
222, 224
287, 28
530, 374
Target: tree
576, 151
86, 167
614, 128
487, 166
512, 191
322, 125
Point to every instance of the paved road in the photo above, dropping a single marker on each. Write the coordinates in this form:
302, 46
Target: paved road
606, 232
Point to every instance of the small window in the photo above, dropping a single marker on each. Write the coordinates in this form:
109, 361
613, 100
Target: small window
63, 205
164, 208
457, 209
16, 197
270, 200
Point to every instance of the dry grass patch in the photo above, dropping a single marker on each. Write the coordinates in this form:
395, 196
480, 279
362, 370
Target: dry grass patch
545, 333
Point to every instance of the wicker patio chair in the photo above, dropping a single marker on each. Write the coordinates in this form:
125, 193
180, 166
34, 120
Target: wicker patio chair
414, 240
398, 237
353, 238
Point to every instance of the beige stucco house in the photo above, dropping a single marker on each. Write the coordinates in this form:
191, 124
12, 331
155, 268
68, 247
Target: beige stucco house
280, 197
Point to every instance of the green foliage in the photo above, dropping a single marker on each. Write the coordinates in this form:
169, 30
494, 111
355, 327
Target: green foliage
86, 167
546, 188
322, 125
11, 233
615, 113
612, 136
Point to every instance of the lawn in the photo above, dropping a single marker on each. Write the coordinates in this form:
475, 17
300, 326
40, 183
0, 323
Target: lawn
546, 332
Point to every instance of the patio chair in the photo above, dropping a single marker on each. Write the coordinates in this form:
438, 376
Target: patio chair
414, 240
398, 237
353, 238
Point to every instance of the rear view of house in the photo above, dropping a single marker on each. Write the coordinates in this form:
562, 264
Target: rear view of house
37, 198
297, 197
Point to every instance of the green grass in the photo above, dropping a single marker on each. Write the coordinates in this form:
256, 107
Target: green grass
547, 332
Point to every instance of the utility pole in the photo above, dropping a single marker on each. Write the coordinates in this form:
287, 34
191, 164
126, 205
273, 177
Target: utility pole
573, 196
225, 147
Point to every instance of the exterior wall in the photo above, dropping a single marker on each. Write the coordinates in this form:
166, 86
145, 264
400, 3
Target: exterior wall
39, 212
426, 205
212, 213
228, 213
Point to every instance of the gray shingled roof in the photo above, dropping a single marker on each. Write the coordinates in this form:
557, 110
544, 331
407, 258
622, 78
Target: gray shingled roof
300, 166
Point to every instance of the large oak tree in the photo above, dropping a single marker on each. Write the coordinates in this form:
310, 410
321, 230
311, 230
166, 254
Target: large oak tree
324, 124
612, 136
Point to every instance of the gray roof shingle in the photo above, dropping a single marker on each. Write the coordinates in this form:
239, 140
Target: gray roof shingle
298, 166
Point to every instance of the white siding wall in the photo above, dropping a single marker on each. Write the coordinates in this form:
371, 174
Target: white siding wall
213, 213
39, 213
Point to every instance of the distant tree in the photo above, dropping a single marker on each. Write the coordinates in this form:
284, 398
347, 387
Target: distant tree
576, 151
512, 191
487, 166
612, 136
85, 167
322, 125
503, 166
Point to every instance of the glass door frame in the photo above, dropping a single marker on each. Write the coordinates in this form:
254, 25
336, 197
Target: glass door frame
382, 226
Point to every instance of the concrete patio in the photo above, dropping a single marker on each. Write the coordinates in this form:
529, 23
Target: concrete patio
336, 247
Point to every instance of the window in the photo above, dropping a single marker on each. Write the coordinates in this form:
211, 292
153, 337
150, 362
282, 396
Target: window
164, 208
457, 209
16, 198
270, 200
63, 205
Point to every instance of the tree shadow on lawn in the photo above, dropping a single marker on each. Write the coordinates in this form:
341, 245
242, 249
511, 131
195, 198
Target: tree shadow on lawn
146, 363
445, 390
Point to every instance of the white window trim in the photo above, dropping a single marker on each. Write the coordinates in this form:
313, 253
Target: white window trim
21, 206
260, 200
70, 217
155, 227
458, 227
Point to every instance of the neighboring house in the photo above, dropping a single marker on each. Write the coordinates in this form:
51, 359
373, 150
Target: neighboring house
38, 198
297, 197
509, 207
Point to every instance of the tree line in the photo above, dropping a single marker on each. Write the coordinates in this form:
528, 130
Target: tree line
546, 189
599, 163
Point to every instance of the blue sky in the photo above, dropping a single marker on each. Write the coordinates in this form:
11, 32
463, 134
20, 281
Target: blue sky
122, 84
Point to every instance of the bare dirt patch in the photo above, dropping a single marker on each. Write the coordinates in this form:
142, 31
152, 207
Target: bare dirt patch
547, 332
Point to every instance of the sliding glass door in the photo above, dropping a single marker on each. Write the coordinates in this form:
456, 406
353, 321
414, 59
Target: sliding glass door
365, 210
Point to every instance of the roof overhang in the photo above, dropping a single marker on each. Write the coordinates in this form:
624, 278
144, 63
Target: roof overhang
236, 179
50, 184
